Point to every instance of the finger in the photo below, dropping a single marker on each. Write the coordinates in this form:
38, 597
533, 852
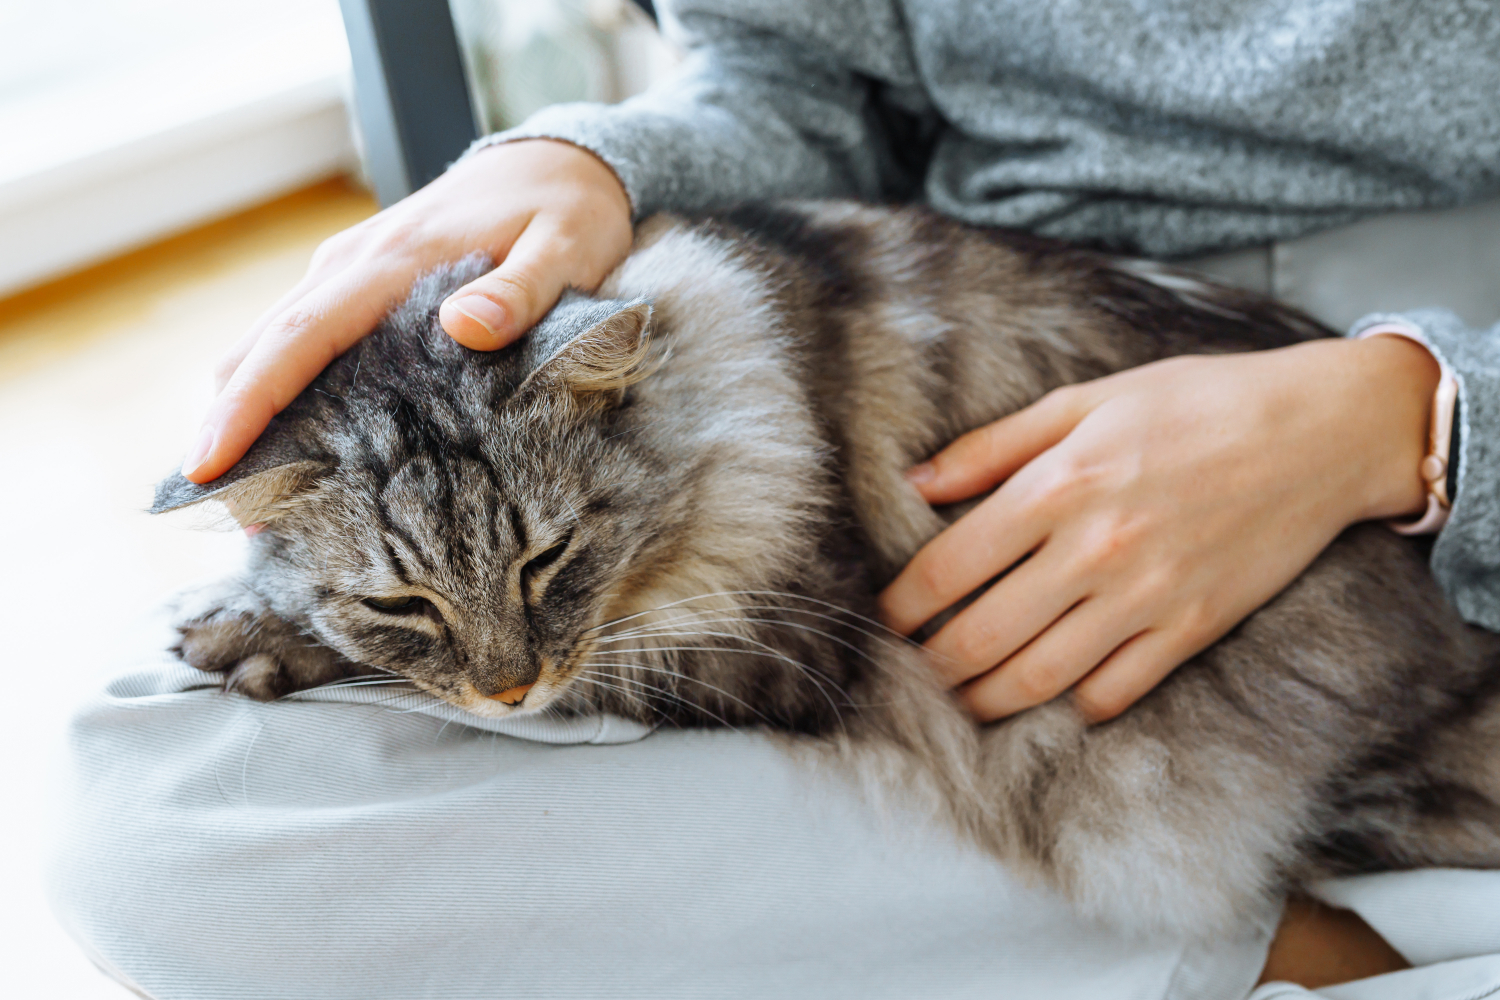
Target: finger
985, 541
232, 358
1131, 671
294, 348
495, 309
331, 257
1004, 619
983, 458
1052, 662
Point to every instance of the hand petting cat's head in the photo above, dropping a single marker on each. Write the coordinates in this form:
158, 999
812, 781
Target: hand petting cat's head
460, 518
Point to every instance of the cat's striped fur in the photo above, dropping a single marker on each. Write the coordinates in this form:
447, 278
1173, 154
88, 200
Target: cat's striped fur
675, 501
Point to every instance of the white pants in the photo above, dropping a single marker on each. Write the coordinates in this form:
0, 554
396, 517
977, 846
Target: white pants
1448, 259
361, 844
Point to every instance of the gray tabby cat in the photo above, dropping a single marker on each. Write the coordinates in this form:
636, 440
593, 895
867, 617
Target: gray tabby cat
675, 501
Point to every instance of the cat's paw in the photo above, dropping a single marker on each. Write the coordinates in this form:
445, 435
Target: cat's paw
227, 629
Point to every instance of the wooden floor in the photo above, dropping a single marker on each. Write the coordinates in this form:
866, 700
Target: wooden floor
103, 378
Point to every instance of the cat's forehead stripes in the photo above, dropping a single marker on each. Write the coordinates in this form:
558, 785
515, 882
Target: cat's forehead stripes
517, 527
394, 561
449, 515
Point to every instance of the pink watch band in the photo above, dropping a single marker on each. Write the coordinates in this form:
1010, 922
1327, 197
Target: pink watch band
1434, 467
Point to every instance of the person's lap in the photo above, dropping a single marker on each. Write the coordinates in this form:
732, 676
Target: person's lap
216, 847
361, 843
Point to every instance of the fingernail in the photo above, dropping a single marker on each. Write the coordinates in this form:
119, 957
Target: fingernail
481, 310
199, 451
919, 474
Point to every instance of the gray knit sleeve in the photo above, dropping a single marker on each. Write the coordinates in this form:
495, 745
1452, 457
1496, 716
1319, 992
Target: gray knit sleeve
775, 101
1466, 556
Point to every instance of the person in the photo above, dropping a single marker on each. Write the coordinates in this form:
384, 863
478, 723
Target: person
1159, 506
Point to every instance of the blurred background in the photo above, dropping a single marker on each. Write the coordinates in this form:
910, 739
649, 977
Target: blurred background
167, 168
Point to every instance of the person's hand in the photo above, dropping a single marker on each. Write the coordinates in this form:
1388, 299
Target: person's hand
1143, 515
552, 214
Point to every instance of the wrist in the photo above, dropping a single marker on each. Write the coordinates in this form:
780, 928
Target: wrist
1392, 381
560, 160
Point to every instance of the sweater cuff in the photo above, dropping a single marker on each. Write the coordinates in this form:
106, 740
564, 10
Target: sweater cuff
583, 125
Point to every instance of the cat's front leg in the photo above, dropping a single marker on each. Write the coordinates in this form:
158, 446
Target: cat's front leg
227, 628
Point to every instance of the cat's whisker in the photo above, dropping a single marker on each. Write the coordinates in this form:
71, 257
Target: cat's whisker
695, 680
656, 623
245, 765
885, 631
808, 671
878, 625
818, 682
662, 627
618, 689
683, 617
660, 608
670, 630
360, 683
636, 693
763, 621
638, 614
653, 691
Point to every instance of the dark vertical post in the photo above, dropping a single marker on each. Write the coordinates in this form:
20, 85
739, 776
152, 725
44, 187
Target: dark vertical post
410, 91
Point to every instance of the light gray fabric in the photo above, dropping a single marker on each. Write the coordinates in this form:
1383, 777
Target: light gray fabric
1165, 127
1392, 263
366, 844
1396, 263
213, 847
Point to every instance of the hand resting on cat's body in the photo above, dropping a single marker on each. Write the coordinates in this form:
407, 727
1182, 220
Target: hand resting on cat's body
677, 501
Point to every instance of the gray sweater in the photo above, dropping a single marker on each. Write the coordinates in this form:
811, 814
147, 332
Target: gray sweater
1161, 127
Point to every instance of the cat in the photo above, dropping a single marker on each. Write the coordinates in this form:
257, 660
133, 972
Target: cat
675, 500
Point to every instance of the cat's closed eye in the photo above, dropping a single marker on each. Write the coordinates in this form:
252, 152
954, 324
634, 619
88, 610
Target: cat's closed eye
546, 558
406, 604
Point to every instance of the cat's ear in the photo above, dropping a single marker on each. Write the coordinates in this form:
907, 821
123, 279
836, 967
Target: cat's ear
592, 347
276, 473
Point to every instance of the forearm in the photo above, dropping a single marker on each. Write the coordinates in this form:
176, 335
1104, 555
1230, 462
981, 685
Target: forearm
1386, 386
750, 117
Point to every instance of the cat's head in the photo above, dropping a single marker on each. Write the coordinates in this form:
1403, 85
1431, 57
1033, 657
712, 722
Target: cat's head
461, 518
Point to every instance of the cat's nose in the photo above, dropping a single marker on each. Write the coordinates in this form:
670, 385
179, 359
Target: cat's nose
512, 696
506, 682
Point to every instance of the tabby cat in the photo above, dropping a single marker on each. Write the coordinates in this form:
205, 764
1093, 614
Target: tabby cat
675, 501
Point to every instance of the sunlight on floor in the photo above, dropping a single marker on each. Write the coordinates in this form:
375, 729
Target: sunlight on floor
103, 377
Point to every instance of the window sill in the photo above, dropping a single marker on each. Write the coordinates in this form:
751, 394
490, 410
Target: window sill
169, 149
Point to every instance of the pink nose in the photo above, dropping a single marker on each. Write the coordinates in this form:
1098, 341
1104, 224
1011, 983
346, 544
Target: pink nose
512, 695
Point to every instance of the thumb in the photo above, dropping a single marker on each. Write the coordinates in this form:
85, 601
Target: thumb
493, 310
983, 458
